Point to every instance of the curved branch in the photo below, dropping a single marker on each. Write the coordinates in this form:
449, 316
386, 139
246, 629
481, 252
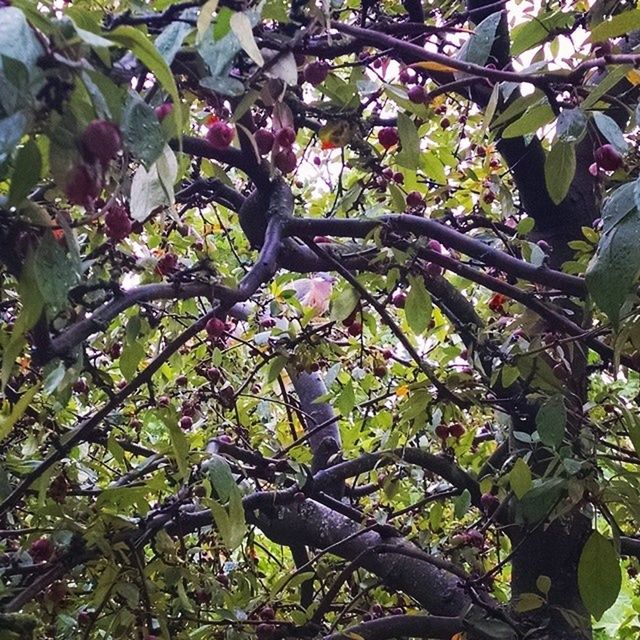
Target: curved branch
401, 626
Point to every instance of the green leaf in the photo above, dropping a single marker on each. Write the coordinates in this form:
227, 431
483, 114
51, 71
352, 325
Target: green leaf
540, 500
520, 478
344, 303
54, 272
140, 45
131, 356
478, 46
409, 156
221, 478
205, 17
599, 575
461, 504
149, 189
275, 367
142, 131
559, 170
243, 28
346, 400
11, 130
619, 25
179, 446
571, 125
528, 602
531, 120
618, 205
610, 130
529, 34
613, 271
418, 306
18, 41
19, 408
170, 40
26, 172
551, 421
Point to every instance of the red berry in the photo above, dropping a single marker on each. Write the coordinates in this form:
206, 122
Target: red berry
101, 140
299, 497
267, 613
432, 269
181, 380
417, 94
167, 264
456, 429
220, 135
398, 299
398, 177
41, 550
81, 187
355, 329
351, 318
80, 386
487, 196
285, 137
264, 140
223, 579
475, 538
405, 75
380, 371
118, 223
163, 401
84, 618
286, 160
388, 137
186, 422
414, 199
316, 73
215, 328
163, 110
214, 375
607, 157
445, 123
442, 431
387, 354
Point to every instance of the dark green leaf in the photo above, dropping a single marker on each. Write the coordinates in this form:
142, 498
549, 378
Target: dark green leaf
131, 356
172, 36
599, 575
539, 501
409, 156
559, 170
551, 421
26, 172
142, 131
529, 34
571, 125
619, 25
531, 120
11, 130
418, 306
610, 130
55, 272
221, 478
478, 47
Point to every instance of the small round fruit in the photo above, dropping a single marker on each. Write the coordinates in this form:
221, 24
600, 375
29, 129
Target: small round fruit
399, 299
434, 270
81, 187
163, 110
286, 160
214, 375
388, 137
434, 245
607, 157
84, 618
118, 223
220, 135
475, 538
355, 329
445, 123
41, 550
456, 429
442, 431
215, 328
163, 401
267, 613
167, 264
101, 140
186, 422
285, 137
264, 140
265, 631
299, 497
488, 196
406, 75
316, 73
414, 199
223, 579
80, 386
380, 371
417, 94
181, 380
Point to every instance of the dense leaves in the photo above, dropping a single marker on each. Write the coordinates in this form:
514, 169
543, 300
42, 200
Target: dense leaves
319, 320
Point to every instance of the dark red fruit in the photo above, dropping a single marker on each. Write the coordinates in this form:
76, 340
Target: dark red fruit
267, 613
57, 592
414, 199
264, 140
163, 110
41, 550
215, 328
81, 187
456, 429
388, 137
434, 245
475, 538
84, 618
607, 157
163, 401
214, 375
58, 489
387, 354
434, 270
398, 177
299, 497
355, 329
442, 431
380, 371
101, 140
488, 197
316, 73
167, 264
317, 160
351, 318
285, 137
223, 579
405, 75
186, 422
265, 631
445, 123
80, 386
181, 380
417, 94
489, 503
118, 223
398, 299
227, 396
202, 597
286, 160
220, 135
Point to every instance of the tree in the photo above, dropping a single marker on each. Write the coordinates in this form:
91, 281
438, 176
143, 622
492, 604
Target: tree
319, 319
